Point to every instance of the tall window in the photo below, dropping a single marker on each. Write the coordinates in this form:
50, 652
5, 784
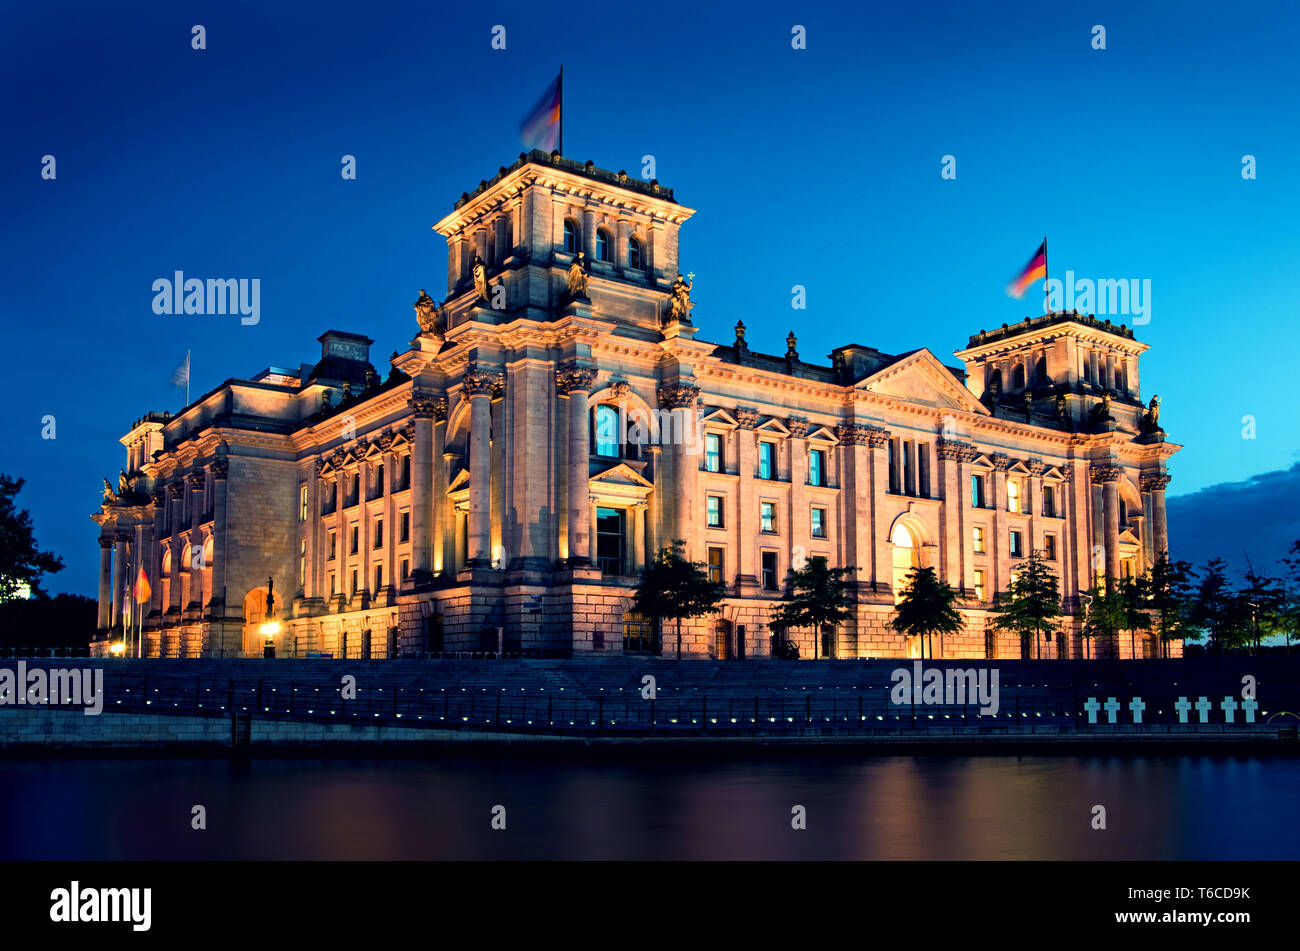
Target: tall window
1017, 545
1049, 547
570, 237
767, 517
603, 250
606, 431
769, 571
816, 467
978, 539
406, 527
352, 544
634, 253
766, 460
1049, 501
334, 545
713, 452
715, 511
379, 532
977, 498
302, 562
979, 584
610, 537
302, 503
716, 562
1013, 495
818, 522
406, 472
379, 578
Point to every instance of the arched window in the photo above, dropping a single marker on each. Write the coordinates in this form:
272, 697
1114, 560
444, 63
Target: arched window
570, 237
603, 252
1018, 377
604, 433
634, 253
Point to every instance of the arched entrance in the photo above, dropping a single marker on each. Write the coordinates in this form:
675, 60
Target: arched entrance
723, 639
906, 554
254, 616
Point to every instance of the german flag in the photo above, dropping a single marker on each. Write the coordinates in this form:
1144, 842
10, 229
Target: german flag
1036, 268
542, 128
142, 589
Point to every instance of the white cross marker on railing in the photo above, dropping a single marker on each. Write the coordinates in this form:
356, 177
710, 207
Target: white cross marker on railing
1182, 706
1137, 706
1112, 709
1203, 707
1248, 707
1229, 707
1092, 706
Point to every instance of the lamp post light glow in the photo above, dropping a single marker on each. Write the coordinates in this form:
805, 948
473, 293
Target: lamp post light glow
117, 649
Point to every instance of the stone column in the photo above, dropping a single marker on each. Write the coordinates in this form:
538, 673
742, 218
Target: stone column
687, 520
341, 534
440, 504
855, 494
221, 640
882, 574
156, 606
423, 409
950, 514
106, 583
589, 234
657, 499
121, 539
638, 535
799, 518
177, 503
1154, 487
574, 384
1107, 476
478, 387
1000, 549
197, 482
1033, 502
965, 522
450, 519
747, 520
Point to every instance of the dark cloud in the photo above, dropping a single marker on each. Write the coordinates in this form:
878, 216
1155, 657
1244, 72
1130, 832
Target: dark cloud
1259, 517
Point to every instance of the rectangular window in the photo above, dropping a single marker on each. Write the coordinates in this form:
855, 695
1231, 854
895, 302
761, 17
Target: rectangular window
334, 545
1013, 495
406, 526
716, 561
979, 584
769, 570
977, 491
302, 503
352, 545
406, 569
818, 522
379, 479
767, 460
978, 539
611, 535
302, 563
379, 532
1017, 545
713, 452
354, 582
379, 578
1049, 501
406, 472
334, 585
715, 511
1049, 547
923, 469
767, 515
816, 467
893, 467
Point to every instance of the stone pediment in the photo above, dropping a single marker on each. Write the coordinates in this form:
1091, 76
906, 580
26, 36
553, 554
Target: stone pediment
621, 474
920, 378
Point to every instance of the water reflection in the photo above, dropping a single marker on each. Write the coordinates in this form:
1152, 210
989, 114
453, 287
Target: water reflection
655, 807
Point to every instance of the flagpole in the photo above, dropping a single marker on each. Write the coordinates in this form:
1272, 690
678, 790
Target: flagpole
187, 353
561, 108
1047, 274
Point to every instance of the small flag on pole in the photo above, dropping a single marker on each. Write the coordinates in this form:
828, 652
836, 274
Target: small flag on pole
142, 589
542, 128
182, 377
1036, 268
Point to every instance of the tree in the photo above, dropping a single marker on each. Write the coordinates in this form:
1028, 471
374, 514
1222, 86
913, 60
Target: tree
1167, 586
1217, 610
1264, 598
65, 620
1105, 614
1134, 618
925, 607
22, 564
1031, 603
676, 588
818, 597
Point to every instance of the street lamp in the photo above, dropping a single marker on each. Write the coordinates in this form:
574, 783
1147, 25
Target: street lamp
117, 649
270, 627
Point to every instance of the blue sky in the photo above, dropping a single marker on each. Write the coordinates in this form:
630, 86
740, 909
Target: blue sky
817, 167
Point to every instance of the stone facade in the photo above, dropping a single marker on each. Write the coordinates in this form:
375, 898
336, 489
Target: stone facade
556, 421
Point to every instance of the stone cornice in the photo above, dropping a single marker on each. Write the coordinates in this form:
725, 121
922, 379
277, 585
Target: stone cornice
574, 379
1104, 474
1155, 482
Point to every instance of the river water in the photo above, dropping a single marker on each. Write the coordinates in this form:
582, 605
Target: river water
654, 807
